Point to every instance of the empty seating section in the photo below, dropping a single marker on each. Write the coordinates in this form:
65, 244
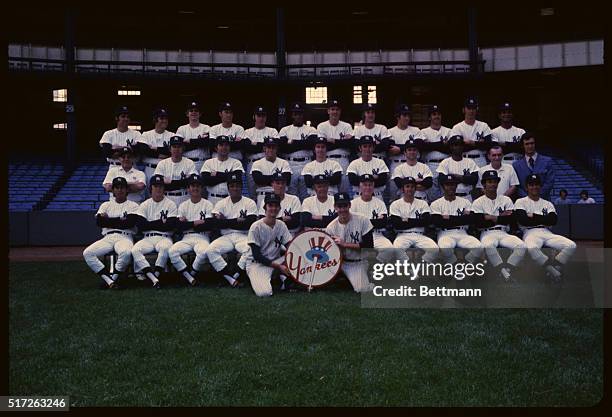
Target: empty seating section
83, 189
566, 177
29, 182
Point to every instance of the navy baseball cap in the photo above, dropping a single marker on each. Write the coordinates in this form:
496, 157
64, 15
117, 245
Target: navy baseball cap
269, 141
320, 179
176, 140
366, 177
471, 103
369, 107
455, 139
434, 109
447, 179
297, 107
222, 139
235, 178
122, 110
333, 103
194, 179
119, 182
277, 176
412, 143
193, 106
505, 106
161, 112
402, 109
365, 140
341, 198
125, 150
259, 110
271, 198
533, 179
226, 105
489, 175
320, 139
157, 179
408, 180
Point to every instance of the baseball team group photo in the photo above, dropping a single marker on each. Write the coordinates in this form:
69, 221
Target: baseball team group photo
199, 227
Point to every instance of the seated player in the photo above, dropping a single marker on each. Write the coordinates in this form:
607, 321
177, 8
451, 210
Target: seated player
463, 170
252, 144
412, 168
263, 169
291, 208
135, 178
535, 215
175, 171
117, 219
215, 171
367, 164
318, 211
322, 166
372, 208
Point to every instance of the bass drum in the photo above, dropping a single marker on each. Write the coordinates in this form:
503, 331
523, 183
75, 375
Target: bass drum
313, 258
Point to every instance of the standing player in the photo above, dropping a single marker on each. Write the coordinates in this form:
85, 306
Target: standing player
175, 171
464, 170
117, 219
476, 134
452, 216
507, 135
118, 138
217, 170
228, 128
156, 219
318, 211
264, 168
409, 217
400, 134
253, 143
372, 208
290, 211
194, 221
266, 238
367, 164
535, 215
296, 148
322, 166
235, 214
369, 128
434, 148
413, 168
135, 178
340, 141
153, 144
494, 214
508, 180
197, 146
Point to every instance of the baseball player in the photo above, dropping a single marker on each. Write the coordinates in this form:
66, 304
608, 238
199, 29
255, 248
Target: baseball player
508, 135
252, 144
476, 134
157, 220
367, 164
322, 166
216, 170
508, 180
409, 216
494, 214
228, 128
264, 168
452, 216
434, 149
153, 145
118, 138
382, 137
290, 207
372, 208
175, 171
535, 215
400, 133
413, 168
463, 169
197, 146
135, 178
296, 148
117, 219
194, 221
234, 216
351, 232
340, 140
266, 238
318, 211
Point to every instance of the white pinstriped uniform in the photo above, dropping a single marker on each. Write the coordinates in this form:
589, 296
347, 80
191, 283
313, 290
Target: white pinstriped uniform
418, 171
374, 166
513, 135
270, 241
119, 139
373, 209
295, 134
154, 140
120, 243
464, 167
313, 206
400, 136
176, 171
218, 192
198, 156
268, 168
256, 136
433, 158
341, 155
192, 241
290, 204
327, 168
414, 236
378, 132
234, 131
474, 132
131, 176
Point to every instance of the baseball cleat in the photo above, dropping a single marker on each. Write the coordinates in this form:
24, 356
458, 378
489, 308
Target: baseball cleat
157, 286
140, 277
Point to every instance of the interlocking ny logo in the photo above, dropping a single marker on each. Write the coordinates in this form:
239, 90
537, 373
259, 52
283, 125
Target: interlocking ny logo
544, 211
183, 175
460, 211
342, 135
303, 136
330, 212
278, 170
328, 172
165, 144
500, 210
355, 236
374, 214
243, 213
479, 135
202, 215
377, 137
375, 171
287, 212
417, 214
129, 142
466, 171
419, 175
163, 214
278, 242
124, 215
516, 138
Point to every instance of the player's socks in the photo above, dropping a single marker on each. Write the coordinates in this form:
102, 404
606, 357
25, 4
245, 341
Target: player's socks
228, 275
149, 274
187, 275
158, 271
106, 276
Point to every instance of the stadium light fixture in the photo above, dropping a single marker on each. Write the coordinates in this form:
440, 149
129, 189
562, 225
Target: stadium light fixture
60, 96
128, 92
60, 126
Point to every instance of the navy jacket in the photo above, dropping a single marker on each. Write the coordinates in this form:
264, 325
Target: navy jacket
543, 167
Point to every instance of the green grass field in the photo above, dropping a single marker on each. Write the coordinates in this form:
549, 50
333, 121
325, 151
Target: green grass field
222, 347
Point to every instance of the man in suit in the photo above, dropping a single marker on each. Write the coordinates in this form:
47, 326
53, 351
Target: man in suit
534, 163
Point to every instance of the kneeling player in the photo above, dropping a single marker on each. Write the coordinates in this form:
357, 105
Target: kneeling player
494, 214
117, 219
267, 236
535, 215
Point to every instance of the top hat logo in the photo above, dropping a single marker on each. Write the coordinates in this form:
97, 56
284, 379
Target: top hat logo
318, 249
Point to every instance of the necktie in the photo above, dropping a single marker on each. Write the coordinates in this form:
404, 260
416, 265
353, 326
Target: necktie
531, 162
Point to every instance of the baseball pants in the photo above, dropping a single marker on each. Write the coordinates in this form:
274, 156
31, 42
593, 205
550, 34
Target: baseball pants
451, 239
384, 247
178, 199
479, 157
297, 186
195, 242
493, 239
408, 240
260, 276
221, 246
357, 274
160, 244
251, 186
344, 161
434, 192
119, 243
535, 239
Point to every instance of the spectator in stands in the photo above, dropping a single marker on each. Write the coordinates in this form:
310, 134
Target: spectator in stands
534, 163
584, 198
562, 199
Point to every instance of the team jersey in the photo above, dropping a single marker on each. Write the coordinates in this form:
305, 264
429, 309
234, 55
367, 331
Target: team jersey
216, 165
290, 204
484, 205
120, 139
153, 210
476, 132
464, 167
416, 171
432, 135
458, 207
338, 132
295, 134
195, 211
155, 140
327, 168
351, 232
175, 170
315, 207
513, 135
234, 132
269, 239
199, 132
257, 136
400, 136
378, 132
230, 210
268, 168
507, 176
360, 167
401, 208
132, 176
113, 210
374, 209
540, 206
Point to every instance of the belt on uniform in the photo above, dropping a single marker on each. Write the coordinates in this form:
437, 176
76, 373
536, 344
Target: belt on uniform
218, 195
398, 160
352, 260
151, 165
337, 156
434, 160
298, 159
494, 228
409, 231
460, 194
453, 228
472, 156
114, 232
176, 193
155, 234
264, 192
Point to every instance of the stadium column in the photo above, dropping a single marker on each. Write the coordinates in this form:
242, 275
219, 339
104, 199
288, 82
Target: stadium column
71, 87
472, 40
281, 63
